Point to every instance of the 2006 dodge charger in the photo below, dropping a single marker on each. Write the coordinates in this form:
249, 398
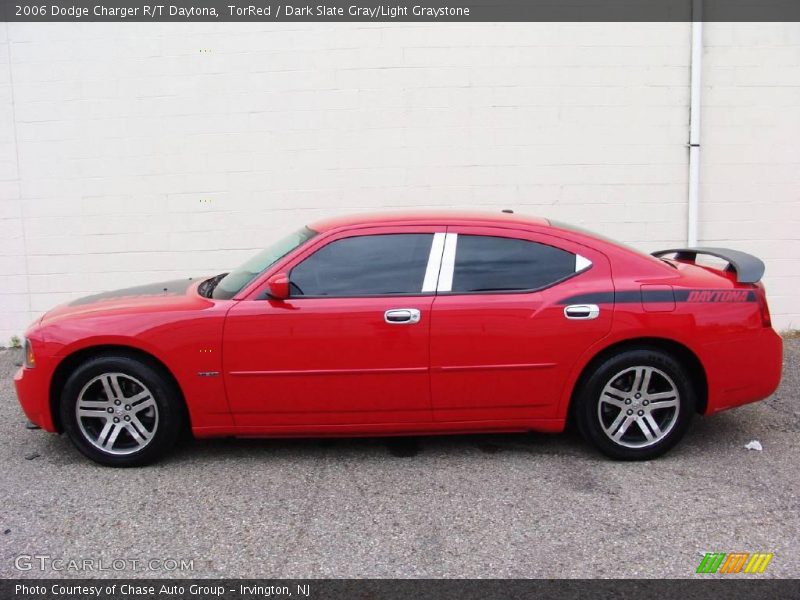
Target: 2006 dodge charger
427, 323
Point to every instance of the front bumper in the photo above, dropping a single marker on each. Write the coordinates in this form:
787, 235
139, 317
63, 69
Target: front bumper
34, 397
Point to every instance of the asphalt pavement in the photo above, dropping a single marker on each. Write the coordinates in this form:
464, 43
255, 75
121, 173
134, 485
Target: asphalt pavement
497, 506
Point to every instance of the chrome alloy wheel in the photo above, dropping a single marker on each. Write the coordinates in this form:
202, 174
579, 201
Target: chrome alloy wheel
638, 407
116, 413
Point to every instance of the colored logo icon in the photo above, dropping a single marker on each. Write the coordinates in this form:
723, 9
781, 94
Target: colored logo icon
735, 562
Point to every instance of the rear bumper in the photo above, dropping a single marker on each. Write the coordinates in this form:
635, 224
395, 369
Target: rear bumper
33, 395
742, 370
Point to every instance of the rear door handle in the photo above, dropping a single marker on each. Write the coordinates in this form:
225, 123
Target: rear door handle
401, 316
582, 312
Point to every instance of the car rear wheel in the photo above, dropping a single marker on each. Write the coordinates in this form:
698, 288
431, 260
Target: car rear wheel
120, 411
635, 405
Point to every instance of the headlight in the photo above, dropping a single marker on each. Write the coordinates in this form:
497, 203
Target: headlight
30, 359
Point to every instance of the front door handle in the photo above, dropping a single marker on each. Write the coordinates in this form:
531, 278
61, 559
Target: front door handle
401, 316
582, 312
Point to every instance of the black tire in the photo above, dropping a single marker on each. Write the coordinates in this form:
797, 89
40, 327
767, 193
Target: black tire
595, 411
166, 415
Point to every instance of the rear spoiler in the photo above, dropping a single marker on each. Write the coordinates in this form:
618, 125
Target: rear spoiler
747, 267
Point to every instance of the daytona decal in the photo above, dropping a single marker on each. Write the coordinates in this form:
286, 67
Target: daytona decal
717, 296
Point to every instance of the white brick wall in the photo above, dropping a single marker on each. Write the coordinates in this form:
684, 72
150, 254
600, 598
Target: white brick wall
14, 297
137, 152
750, 195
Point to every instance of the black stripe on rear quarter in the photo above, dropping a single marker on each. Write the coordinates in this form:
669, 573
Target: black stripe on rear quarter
632, 296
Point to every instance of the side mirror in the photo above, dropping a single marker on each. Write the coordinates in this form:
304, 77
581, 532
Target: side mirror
278, 286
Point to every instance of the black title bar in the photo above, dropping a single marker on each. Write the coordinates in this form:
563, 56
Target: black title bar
742, 588
399, 10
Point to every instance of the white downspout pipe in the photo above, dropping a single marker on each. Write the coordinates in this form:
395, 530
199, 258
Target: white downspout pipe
696, 67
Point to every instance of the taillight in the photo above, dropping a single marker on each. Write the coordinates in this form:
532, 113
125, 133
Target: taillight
763, 307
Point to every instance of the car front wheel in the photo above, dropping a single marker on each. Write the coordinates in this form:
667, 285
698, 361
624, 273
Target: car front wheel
636, 405
120, 411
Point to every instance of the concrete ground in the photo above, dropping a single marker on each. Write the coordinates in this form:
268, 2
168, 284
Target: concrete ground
466, 506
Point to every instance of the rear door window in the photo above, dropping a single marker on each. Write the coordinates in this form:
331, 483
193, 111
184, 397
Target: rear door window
488, 264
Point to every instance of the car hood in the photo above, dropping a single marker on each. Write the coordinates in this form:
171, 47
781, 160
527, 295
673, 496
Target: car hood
178, 294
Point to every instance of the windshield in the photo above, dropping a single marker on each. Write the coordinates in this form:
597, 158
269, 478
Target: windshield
233, 282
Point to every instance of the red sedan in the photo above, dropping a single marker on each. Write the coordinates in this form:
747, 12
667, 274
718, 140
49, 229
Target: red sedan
411, 324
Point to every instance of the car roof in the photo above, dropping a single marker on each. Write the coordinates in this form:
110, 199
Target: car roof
424, 217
